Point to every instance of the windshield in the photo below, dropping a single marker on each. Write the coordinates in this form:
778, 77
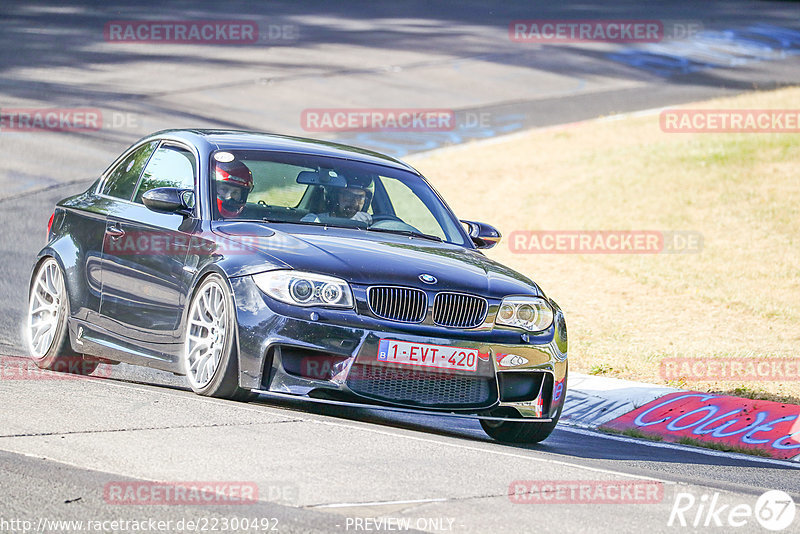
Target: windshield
306, 189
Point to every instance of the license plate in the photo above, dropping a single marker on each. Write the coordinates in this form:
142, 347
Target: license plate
425, 355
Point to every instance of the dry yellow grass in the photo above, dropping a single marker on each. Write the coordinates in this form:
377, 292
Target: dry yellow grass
739, 297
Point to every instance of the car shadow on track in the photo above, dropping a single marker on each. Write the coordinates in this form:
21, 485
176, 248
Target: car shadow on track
565, 443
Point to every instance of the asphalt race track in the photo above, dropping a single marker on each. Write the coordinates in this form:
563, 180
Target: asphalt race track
324, 469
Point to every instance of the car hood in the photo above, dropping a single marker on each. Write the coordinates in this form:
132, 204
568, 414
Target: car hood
371, 258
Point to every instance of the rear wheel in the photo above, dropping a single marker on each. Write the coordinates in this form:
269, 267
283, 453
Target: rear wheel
48, 311
209, 357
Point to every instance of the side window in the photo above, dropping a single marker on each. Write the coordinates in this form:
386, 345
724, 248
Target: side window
170, 166
122, 180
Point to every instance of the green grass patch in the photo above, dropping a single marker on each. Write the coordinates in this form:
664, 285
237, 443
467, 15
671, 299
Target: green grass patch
722, 447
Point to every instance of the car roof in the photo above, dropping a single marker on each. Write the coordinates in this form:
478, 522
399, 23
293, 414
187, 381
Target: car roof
246, 140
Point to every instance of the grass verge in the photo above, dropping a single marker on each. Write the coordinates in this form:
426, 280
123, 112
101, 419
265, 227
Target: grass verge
636, 433
739, 297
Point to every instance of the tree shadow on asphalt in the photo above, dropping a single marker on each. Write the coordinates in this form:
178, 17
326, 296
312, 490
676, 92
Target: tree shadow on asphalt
46, 38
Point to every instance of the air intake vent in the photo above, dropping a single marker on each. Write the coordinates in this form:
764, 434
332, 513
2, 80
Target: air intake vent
418, 388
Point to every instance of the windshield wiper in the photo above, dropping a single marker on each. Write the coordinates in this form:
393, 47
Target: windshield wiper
409, 233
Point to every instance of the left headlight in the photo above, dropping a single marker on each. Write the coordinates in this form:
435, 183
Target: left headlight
534, 314
305, 289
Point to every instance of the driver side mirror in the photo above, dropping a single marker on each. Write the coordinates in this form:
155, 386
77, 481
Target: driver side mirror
170, 200
482, 234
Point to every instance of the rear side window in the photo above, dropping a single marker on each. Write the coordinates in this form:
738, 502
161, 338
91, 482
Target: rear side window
170, 166
123, 179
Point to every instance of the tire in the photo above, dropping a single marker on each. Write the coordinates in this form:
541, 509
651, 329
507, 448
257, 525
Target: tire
209, 359
46, 324
511, 432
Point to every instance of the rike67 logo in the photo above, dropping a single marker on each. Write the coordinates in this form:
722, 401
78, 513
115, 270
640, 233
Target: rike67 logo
774, 510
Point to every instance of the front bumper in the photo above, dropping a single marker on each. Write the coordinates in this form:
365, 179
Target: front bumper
283, 349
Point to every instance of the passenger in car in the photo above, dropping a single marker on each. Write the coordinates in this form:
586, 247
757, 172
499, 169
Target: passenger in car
349, 202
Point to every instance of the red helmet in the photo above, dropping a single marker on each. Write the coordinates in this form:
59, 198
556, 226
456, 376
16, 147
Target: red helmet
234, 183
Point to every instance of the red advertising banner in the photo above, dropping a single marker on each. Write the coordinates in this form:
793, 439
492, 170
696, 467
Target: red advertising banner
772, 427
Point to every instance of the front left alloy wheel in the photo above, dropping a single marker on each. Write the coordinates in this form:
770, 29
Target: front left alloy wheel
209, 356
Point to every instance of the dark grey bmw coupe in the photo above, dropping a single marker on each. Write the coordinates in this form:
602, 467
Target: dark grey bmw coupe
263, 264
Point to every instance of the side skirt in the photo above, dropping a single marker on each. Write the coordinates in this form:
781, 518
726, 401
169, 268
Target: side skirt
90, 340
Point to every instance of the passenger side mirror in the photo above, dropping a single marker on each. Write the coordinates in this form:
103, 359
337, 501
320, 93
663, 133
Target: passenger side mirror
482, 234
170, 200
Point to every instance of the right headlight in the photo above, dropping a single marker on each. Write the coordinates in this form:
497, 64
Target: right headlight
305, 289
533, 314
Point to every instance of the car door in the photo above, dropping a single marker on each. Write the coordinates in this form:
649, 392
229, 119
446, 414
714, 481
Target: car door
85, 218
144, 282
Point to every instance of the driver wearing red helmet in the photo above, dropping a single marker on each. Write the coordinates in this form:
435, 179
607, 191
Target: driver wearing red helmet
234, 182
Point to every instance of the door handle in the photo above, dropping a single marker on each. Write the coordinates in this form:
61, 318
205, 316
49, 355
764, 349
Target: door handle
115, 231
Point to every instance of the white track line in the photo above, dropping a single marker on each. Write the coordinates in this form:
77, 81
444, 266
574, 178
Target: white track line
402, 434
375, 503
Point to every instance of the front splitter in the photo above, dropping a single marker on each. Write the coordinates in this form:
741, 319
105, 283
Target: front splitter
287, 396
